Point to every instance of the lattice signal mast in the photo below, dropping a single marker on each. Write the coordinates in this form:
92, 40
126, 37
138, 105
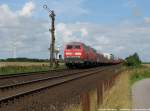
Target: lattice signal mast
52, 30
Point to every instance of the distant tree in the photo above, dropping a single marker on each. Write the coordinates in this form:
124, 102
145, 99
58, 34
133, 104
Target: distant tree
133, 60
24, 60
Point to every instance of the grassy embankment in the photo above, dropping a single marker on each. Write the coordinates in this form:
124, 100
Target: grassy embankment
119, 96
22, 67
140, 73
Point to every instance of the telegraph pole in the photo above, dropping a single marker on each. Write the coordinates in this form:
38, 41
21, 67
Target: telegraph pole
52, 31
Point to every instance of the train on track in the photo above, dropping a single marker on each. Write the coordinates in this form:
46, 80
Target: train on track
77, 55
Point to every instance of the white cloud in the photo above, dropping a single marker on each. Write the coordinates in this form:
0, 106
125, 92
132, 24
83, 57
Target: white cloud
84, 32
28, 35
27, 9
147, 20
66, 35
119, 40
135, 9
120, 48
103, 40
63, 28
7, 16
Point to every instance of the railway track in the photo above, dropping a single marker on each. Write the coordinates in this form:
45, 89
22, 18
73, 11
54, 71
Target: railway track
27, 74
26, 77
11, 92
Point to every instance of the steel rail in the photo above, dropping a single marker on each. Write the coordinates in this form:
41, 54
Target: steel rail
43, 79
77, 76
29, 73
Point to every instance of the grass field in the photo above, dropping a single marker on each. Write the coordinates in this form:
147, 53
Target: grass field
22, 67
146, 65
140, 73
4, 64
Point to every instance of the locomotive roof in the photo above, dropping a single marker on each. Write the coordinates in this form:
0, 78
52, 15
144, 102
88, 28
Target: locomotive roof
80, 43
74, 43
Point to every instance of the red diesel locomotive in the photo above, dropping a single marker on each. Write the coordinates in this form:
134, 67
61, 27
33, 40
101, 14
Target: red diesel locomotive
77, 54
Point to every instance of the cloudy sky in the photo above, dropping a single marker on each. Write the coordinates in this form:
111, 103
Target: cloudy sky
121, 27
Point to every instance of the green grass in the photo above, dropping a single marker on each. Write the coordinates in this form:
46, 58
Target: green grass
24, 69
21, 69
146, 62
139, 74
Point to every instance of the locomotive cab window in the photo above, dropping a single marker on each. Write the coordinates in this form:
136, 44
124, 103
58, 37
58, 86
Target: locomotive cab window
69, 47
77, 47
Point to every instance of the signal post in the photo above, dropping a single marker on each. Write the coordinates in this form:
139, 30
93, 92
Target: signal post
52, 31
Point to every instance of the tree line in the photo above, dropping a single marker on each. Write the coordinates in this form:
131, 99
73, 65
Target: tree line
23, 60
133, 60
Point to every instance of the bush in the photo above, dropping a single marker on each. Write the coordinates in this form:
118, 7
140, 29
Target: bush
133, 60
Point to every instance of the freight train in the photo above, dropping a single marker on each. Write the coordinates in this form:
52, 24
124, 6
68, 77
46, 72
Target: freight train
77, 54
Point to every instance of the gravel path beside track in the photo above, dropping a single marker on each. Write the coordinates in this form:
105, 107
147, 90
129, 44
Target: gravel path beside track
141, 94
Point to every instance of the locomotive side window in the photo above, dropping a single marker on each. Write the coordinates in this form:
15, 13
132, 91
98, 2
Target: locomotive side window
77, 47
69, 47
85, 48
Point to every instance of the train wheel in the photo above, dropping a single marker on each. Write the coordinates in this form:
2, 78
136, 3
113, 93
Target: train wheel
70, 66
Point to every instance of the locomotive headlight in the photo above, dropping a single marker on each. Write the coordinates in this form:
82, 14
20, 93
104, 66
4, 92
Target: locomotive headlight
78, 53
68, 53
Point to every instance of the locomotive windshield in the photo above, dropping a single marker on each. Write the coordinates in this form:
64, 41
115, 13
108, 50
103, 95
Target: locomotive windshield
69, 46
77, 47
73, 47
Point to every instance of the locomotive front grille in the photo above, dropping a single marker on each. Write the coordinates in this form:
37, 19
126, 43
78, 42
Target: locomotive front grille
72, 59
